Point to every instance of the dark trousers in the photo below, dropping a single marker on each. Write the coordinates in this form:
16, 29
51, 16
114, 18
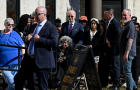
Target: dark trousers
109, 65
40, 78
29, 76
24, 76
116, 71
135, 66
103, 71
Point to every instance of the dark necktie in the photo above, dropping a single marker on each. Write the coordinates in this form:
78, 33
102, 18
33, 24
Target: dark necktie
70, 29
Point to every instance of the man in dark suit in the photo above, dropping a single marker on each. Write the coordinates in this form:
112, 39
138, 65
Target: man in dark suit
44, 39
112, 35
72, 28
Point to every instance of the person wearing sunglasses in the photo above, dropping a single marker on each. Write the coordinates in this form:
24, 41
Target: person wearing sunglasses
9, 55
83, 20
72, 28
40, 54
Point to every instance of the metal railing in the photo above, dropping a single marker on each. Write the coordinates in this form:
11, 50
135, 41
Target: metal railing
19, 48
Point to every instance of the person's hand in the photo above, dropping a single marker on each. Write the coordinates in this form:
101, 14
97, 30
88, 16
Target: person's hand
108, 44
60, 59
36, 37
125, 57
28, 37
90, 46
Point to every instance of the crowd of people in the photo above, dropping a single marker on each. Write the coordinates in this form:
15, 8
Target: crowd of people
49, 46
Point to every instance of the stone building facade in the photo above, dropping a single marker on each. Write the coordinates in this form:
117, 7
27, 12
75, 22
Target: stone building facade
58, 8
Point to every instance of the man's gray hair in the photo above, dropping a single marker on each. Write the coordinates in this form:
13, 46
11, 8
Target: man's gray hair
8, 20
128, 10
43, 9
66, 38
110, 10
71, 11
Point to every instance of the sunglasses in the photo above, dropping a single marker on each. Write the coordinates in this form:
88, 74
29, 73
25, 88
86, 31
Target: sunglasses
83, 21
37, 14
71, 16
10, 25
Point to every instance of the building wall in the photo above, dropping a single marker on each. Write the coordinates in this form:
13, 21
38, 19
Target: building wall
28, 6
2, 13
136, 10
134, 6
116, 5
62, 6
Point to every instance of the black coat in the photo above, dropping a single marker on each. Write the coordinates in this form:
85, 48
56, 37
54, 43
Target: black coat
113, 36
95, 42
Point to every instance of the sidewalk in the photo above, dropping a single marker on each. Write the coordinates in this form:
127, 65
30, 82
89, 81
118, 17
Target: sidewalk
121, 88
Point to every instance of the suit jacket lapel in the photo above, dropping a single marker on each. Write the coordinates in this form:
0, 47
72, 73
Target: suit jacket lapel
67, 28
74, 26
43, 28
110, 23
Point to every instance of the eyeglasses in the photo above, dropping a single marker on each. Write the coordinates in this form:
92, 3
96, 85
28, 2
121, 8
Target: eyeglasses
137, 27
37, 14
10, 25
71, 16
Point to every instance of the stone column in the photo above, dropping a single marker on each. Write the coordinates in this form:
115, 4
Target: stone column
2, 13
96, 9
28, 6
